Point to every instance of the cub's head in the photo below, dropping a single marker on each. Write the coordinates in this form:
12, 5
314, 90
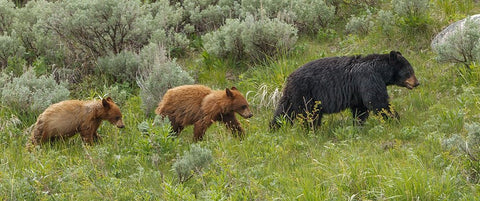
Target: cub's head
112, 112
404, 75
239, 103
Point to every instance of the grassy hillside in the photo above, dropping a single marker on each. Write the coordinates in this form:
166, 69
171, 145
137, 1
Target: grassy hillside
401, 160
414, 158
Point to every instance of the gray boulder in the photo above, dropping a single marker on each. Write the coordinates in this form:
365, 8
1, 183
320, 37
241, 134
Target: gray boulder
458, 25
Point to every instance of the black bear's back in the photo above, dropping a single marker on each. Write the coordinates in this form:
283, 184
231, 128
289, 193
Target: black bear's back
327, 80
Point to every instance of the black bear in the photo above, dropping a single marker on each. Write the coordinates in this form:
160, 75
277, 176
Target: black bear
330, 85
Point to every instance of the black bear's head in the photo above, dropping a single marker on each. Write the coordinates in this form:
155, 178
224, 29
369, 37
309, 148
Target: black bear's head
403, 72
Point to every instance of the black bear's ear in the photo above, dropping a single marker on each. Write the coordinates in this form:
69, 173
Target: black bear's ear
229, 93
393, 57
105, 102
234, 88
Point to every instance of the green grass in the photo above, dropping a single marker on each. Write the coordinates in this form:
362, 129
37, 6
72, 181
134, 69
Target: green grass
382, 160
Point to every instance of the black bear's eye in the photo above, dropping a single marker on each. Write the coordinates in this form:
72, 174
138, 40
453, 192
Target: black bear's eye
244, 107
117, 118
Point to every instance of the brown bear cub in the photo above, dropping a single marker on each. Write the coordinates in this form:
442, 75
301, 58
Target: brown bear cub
201, 106
66, 118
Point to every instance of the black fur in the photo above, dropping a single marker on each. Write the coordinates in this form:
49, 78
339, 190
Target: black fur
355, 82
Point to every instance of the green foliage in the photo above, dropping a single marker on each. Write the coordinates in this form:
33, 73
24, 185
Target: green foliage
192, 161
168, 27
7, 15
312, 16
122, 67
159, 73
359, 25
257, 39
208, 15
467, 146
29, 93
308, 16
386, 22
462, 45
96, 28
414, 17
9, 47
37, 39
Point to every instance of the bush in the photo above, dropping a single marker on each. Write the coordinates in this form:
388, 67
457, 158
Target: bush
7, 15
208, 15
193, 161
122, 67
308, 15
158, 74
95, 28
312, 15
256, 39
359, 25
29, 93
36, 38
9, 47
414, 16
386, 22
468, 146
462, 45
168, 27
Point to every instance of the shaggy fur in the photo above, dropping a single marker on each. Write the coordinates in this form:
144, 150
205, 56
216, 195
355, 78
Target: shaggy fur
336, 83
66, 118
200, 106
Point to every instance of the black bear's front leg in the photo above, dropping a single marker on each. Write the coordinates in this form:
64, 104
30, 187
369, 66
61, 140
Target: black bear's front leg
360, 115
375, 98
387, 112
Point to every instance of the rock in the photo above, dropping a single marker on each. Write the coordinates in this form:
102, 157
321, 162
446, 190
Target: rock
458, 25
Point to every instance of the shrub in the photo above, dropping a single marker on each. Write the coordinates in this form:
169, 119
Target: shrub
461, 45
7, 15
192, 161
36, 38
359, 25
122, 67
168, 27
312, 15
414, 16
308, 15
9, 47
468, 146
256, 39
386, 22
29, 93
158, 74
95, 28
208, 15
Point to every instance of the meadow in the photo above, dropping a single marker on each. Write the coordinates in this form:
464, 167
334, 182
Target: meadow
417, 157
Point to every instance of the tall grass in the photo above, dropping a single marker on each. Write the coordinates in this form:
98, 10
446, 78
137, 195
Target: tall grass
381, 160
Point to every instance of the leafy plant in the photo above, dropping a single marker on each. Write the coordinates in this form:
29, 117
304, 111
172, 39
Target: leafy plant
359, 25
251, 38
462, 45
468, 146
158, 74
10, 47
192, 161
29, 93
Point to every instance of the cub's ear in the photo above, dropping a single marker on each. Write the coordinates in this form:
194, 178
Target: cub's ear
393, 57
229, 93
105, 102
234, 88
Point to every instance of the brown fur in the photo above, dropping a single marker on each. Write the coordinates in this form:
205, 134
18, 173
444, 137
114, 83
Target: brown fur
66, 118
200, 106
